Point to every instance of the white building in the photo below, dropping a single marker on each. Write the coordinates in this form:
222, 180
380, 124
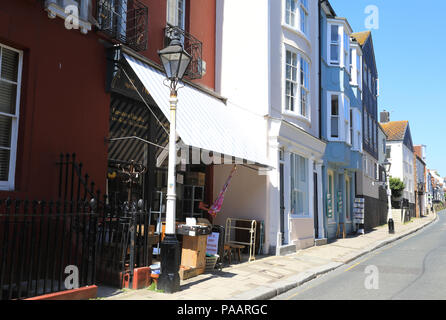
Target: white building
268, 64
399, 151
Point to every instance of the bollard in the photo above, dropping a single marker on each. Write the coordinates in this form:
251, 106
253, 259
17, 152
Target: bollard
391, 226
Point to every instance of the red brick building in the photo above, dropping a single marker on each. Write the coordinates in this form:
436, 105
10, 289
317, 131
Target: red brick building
62, 105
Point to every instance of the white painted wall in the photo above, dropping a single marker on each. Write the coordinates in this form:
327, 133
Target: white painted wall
400, 154
242, 59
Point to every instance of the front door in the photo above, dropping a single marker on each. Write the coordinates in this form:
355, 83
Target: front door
316, 209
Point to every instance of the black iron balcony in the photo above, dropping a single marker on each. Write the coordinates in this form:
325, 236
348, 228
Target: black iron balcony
192, 45
125, 21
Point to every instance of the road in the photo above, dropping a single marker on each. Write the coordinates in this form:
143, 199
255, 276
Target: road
412, 268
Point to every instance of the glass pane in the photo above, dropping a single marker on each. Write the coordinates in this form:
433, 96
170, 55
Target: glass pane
4, 165
334, 106
5, 131
334, 127
335, 33
10, 63
8, 93
303, 169
334, 52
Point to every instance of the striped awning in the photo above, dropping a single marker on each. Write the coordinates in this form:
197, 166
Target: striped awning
206, 122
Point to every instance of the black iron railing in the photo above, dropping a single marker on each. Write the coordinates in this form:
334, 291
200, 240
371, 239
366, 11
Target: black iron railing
39, 241
125, 21
192, 45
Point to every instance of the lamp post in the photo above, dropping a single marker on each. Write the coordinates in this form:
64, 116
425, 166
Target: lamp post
175, 61
390, 223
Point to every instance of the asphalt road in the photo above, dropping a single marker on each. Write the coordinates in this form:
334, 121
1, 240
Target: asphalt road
412, 268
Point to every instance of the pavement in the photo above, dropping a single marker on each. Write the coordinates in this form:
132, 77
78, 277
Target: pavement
270, 276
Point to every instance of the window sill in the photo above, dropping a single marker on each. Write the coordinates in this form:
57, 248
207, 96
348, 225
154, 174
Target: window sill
6, 186
296, 116
297, 32
296, 216
55, 10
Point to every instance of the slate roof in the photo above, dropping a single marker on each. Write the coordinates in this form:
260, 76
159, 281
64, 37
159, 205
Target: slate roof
395, 130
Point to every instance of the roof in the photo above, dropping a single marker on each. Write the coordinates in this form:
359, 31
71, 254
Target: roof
395, 130
361, 37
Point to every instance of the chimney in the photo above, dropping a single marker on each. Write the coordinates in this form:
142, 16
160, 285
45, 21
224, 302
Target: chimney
384, 117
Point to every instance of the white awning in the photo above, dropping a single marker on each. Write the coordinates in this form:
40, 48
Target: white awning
206, 122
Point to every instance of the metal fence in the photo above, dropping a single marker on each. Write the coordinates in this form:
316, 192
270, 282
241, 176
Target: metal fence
39, 241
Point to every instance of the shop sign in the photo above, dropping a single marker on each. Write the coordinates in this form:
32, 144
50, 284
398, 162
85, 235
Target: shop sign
212, 244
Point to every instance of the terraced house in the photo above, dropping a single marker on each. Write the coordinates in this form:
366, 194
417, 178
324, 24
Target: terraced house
341, 92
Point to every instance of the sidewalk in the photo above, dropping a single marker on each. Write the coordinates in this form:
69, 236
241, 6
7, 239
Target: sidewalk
270, 276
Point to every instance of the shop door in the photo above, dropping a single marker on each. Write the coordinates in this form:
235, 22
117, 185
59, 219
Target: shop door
282, 203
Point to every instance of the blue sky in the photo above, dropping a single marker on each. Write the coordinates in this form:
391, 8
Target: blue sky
410, 52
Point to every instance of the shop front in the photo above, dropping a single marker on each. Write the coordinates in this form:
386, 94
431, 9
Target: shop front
215, 143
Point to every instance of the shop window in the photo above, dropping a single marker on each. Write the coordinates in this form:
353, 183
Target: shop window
299, 185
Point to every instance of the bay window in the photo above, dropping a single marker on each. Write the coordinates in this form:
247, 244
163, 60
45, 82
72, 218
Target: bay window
297, 86
10, 78
299, 185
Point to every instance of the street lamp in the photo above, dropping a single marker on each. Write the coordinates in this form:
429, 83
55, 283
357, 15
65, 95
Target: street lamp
175, 61
390, 223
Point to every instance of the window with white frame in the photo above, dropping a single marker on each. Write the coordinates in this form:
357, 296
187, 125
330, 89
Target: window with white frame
347, 53
291, 12
176, 13
299, 185
62, 9
304, 87
334, 100
291, 81
356, 125
304, 16
347, 120
10, 79
334, 44
296, 14
358, 69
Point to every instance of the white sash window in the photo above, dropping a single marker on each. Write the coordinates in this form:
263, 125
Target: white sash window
10, 79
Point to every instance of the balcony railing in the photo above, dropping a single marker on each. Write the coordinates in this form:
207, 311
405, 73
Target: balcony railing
192, 45
125, 21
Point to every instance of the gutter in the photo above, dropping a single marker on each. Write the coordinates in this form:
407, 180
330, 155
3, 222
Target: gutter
320, 68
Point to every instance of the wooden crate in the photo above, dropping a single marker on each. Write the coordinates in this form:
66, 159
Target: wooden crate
193, 253
188, 272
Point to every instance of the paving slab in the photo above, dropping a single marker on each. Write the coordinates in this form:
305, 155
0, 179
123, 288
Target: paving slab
269, 276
